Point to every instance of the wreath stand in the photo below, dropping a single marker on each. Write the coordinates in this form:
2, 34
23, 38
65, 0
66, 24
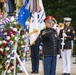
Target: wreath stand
14, 59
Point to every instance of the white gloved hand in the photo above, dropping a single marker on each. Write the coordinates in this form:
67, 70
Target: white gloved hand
40, 47
58, 56
64, 34
55, 26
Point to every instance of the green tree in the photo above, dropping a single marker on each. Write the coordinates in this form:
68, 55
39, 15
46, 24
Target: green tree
60, 9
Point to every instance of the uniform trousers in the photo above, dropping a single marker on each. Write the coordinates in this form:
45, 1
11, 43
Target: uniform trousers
66, 59
35, 57
49, 63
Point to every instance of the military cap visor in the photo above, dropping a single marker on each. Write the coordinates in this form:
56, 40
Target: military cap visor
50, 19
67, 19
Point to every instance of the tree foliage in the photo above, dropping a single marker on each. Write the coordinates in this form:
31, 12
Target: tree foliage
60, 9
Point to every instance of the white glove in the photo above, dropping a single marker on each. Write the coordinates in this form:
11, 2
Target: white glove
64, 34
58, 56
40, 47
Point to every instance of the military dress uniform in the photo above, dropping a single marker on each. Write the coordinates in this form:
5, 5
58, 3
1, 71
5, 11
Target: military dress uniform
49, 44
35, 56
67, 51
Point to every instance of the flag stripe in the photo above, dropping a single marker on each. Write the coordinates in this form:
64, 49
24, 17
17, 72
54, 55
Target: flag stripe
38, 5
34, 5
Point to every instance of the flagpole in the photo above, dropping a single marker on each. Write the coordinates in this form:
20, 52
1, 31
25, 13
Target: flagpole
17, 4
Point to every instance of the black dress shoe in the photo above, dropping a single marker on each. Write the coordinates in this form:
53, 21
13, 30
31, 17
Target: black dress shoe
20, 71
32, 71
36, 72
68, 74
64, 74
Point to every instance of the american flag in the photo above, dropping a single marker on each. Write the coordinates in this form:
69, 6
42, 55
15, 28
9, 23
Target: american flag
6, 20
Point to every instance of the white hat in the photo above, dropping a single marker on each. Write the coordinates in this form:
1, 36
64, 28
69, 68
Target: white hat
67, 19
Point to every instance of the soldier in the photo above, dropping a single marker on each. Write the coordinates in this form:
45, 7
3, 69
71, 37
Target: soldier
49, 45
35, 56
66, 51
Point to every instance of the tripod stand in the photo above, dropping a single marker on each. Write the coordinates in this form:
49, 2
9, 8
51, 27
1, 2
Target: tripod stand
14, 58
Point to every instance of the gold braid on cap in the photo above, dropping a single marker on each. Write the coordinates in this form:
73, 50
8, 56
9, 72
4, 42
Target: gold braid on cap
55, 20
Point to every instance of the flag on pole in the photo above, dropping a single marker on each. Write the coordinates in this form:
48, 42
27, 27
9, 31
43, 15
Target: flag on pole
23, 15
36, 23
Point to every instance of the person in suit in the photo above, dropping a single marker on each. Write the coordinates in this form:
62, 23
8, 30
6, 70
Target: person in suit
49, 46
66, 45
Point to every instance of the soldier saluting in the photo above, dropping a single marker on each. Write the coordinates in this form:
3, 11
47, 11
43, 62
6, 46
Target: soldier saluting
66, 52
49, 46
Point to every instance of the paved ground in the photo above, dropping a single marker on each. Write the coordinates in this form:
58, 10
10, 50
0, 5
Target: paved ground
59, 67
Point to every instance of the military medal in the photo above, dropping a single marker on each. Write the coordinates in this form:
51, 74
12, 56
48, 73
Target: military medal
43, 32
